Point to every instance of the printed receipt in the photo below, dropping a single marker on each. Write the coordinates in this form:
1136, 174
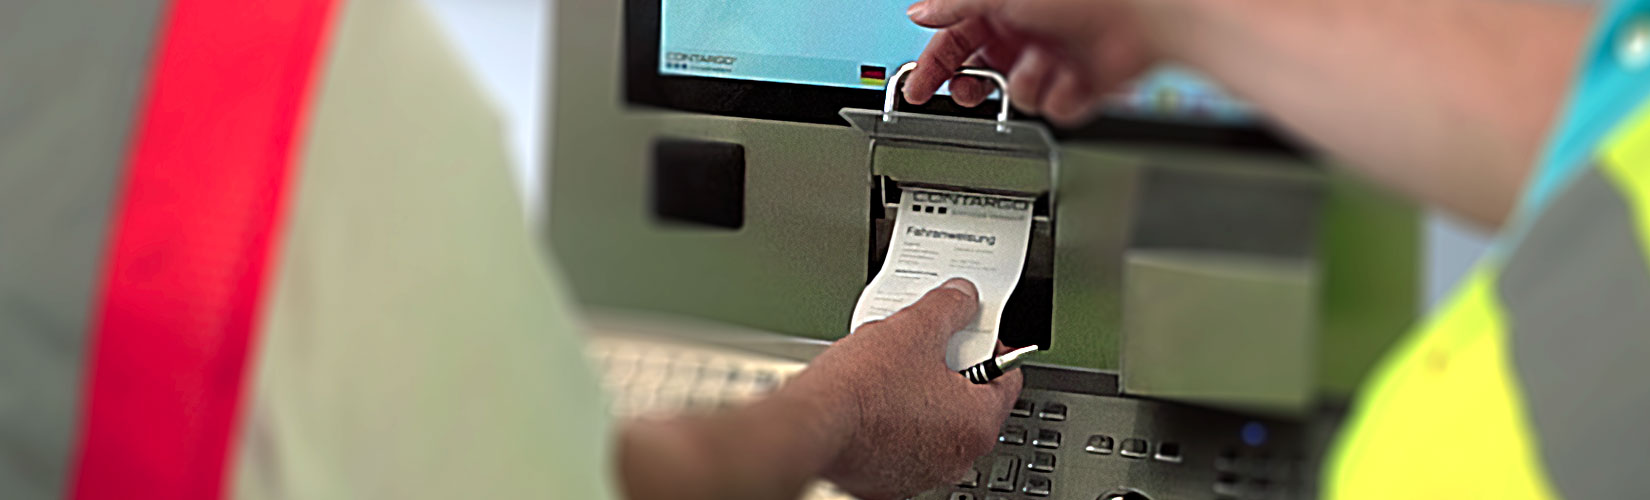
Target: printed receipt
941, 235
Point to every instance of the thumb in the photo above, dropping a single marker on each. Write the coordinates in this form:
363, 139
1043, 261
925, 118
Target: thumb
940, 313
1005, 389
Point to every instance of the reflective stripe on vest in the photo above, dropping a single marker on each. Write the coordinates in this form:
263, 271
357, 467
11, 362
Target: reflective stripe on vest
198, 224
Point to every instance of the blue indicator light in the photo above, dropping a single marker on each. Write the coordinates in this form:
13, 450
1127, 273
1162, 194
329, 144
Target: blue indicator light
1254, 434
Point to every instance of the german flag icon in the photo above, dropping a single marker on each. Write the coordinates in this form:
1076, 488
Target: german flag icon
873, 75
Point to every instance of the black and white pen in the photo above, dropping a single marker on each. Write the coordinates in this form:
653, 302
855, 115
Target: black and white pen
990, 369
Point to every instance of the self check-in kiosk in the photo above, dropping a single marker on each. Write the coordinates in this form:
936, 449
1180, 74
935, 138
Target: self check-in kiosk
1206, 294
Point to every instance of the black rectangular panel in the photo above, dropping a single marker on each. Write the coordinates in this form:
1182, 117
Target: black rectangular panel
699, 183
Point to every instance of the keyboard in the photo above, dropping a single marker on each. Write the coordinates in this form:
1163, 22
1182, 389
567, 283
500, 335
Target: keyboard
653, 377
1070, 436
650, 378
1066, 438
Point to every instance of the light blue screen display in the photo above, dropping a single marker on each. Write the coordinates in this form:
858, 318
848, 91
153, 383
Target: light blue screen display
858, 43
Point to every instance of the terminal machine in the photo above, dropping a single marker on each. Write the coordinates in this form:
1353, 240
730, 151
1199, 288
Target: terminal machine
1205, 294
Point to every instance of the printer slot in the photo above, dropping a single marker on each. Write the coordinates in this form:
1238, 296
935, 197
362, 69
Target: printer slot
1028, 316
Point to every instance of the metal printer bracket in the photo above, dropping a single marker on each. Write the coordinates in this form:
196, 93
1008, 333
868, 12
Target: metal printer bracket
968, 154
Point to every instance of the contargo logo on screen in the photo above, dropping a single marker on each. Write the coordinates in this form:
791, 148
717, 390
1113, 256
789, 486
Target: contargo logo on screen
711, 59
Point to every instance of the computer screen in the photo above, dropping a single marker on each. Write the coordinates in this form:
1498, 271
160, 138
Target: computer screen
858, 43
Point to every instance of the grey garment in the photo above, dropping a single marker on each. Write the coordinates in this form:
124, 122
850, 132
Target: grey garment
414, 344
1577, 297
72, 74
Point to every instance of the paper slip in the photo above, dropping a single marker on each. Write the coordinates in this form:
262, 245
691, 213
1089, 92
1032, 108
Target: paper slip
940, 235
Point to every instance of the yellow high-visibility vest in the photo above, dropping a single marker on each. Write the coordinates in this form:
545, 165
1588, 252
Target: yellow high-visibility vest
1534, 381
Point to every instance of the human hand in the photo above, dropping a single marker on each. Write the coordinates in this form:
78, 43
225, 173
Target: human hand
1061, 56
916, 423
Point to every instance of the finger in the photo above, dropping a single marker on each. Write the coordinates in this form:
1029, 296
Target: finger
1117, 64
1000, 53
946, 52
1003, 47
1055, 20
944, 13
936, 316
1070, 100
1005, 390
1029, 79
970, 91
1003, 348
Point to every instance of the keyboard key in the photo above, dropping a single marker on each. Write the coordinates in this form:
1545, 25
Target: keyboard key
1227, 485
682, 372
1227, 461
1002, 473
1047, 438
1260, 485
1099, 444
1022, 408
1260, 464
1053, 411
766, 381
718, 368
970, 479
962, 496
1288, 469
650, 371
704, 401
741, 374
671, 401
995, 497
1041, 462
1168, 452
1012, 434
1135, 448
1037, 486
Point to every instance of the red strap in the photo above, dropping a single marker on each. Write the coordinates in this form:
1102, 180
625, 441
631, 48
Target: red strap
193, 246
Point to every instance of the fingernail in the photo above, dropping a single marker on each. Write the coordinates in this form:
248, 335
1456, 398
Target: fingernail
961, 285
917, 10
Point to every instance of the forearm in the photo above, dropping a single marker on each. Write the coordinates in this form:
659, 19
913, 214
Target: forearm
769, 450
1446, 100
